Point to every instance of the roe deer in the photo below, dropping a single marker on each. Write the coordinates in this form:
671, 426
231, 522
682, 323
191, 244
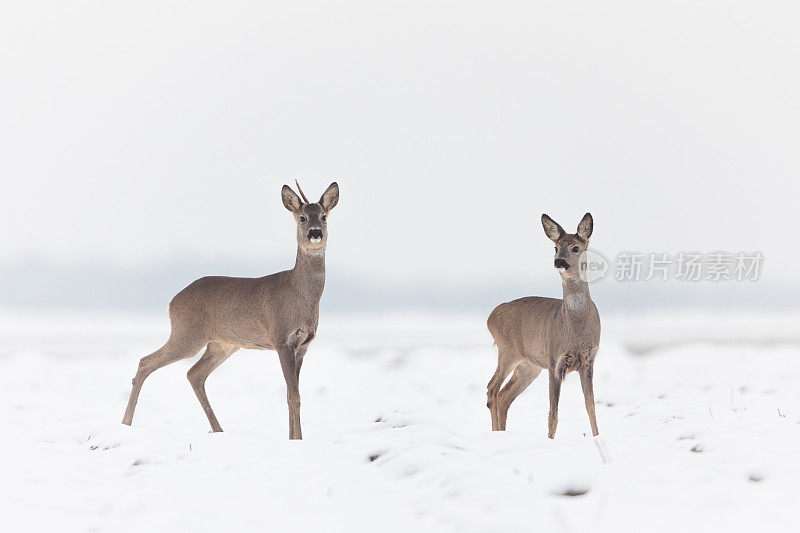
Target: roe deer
535, 333
277, 312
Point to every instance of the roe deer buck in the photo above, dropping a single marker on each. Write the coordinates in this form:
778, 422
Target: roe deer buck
277, 312
535, 333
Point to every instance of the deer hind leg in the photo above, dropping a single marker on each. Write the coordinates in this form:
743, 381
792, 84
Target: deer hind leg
523, 376
216, 353
174, 350
506, 363
587, 376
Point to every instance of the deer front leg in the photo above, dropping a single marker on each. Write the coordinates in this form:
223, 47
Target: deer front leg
301, 353
555, 393
291, 375
587, 376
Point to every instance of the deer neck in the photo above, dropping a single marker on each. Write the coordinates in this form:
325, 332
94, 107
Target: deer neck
308, 273
577, 301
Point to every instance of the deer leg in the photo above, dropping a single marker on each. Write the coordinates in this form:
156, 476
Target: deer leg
216, 353
301, 353
172, 351
505, 365
555, 393
587, 376
290, 374
523, 376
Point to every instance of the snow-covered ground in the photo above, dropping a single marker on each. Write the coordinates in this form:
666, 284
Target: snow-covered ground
699, 415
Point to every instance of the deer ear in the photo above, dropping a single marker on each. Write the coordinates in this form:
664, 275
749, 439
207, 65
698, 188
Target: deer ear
330, 197
552, 228
290, 199
586, 226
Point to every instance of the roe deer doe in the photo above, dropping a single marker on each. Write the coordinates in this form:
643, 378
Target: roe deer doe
535, 333
277, 312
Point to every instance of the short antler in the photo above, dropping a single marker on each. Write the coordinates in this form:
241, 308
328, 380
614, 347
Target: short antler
301, 192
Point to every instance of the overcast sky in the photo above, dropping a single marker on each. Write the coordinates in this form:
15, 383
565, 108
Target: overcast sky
137, 132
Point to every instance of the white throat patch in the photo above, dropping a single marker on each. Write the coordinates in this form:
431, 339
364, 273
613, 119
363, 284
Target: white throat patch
576, 302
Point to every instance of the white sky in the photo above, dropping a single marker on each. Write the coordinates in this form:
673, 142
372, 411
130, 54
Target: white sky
135, 132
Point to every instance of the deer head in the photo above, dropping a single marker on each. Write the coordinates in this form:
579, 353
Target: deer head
569, 246
311, 218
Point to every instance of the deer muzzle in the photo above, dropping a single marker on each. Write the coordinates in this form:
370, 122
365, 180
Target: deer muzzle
315, 235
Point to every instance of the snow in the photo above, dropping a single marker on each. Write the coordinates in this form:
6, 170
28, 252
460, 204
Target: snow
698, 415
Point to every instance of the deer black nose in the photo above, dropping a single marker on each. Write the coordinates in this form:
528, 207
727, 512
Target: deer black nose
315, 233
560, 263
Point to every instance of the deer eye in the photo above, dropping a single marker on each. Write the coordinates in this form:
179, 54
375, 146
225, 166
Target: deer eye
324, 218
575, 249
556, 249
303, 219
